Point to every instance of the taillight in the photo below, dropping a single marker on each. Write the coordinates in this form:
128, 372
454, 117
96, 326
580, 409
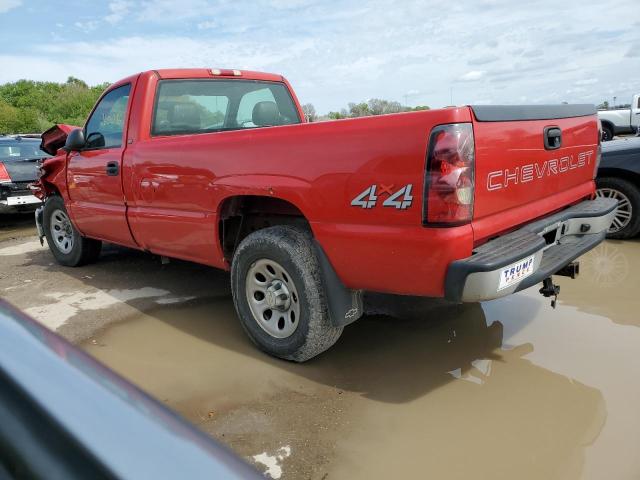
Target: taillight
4, 175
449, 180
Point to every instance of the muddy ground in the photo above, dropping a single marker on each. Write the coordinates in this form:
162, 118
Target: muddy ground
504, 389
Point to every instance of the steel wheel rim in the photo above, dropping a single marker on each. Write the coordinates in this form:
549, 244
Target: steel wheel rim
273, 298
61, 231
624, 210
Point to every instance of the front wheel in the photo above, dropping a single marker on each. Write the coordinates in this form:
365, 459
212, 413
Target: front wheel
65, 242
626, 222
279, 295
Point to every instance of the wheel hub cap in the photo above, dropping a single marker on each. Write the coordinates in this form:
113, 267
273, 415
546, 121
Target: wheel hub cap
272, 297
277, 296
61, 231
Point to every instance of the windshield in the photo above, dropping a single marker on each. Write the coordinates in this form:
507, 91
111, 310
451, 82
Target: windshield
19, 150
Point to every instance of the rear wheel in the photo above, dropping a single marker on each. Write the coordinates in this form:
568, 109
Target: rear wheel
607, 133
279, 295
626, 223
67, 245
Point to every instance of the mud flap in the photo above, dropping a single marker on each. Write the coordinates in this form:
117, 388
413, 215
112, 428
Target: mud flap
345, 305
39, 219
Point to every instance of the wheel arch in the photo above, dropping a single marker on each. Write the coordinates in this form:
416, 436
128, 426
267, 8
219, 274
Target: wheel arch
241, 214
621, 173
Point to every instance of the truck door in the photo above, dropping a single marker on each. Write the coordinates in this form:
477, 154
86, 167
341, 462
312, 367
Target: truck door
94, 174
635, 112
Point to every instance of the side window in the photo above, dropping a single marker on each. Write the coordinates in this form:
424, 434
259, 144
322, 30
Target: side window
189, 107
105, 127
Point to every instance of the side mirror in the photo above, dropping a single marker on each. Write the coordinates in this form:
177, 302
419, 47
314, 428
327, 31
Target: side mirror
75, 141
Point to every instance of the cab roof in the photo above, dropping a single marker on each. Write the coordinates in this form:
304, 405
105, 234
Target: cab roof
224, 73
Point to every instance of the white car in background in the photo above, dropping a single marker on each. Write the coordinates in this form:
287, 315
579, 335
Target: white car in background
625, 120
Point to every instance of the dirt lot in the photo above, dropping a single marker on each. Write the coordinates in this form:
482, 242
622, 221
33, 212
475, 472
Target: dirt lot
505, 389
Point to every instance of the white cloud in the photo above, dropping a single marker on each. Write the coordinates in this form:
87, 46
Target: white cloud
586, 81
119, 9
338, 52
472, 76
6, 5
88, 26
207, 25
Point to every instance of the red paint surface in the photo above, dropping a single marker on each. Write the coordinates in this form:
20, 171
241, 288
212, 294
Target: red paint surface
174, 186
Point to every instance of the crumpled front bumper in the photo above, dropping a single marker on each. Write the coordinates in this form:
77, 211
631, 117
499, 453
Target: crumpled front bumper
527, 256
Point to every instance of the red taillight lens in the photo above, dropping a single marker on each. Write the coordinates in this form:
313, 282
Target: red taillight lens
449, 180
4, 175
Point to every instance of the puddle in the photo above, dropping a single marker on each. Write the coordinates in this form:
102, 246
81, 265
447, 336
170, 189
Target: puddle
506, 389
66, 305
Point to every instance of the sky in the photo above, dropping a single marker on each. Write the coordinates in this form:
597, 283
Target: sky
426, 52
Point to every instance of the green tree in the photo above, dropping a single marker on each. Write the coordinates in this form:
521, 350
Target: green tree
27, 106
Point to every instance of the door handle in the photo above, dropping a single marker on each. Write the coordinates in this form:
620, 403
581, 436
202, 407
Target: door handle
113, 168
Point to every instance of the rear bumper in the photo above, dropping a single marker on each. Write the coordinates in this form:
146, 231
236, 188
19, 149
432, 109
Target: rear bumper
19, 203
527, 256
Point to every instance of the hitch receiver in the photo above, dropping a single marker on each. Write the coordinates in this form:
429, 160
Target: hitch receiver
571, 270
550, 290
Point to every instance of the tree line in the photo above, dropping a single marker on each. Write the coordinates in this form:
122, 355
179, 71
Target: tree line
374, 106
27, 106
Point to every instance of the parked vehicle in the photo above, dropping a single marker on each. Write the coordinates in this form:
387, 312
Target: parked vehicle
219, 167
624, 120
63, 415
619, 178
19, 157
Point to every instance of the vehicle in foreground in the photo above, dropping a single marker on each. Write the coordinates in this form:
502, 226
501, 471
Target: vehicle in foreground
63, 415
624, 120
219, 167
619, 178
19, 162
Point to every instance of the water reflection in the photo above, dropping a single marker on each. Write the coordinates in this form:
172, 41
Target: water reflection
608, 282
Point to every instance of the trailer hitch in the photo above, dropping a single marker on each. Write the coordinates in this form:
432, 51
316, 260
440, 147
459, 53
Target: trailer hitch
549, 289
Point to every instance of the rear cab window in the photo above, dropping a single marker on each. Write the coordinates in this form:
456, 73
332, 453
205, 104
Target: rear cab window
204, 106
20, 150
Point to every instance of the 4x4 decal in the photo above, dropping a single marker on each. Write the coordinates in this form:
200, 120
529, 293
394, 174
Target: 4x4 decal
401, 199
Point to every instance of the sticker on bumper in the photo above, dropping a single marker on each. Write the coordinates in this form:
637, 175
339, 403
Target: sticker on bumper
516, 272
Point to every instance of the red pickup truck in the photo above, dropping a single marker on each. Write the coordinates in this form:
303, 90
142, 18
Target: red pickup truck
220, 167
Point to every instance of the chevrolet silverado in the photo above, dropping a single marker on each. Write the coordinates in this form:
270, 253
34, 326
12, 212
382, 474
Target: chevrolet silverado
219, 167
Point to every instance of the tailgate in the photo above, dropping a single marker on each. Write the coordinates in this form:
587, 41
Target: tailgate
530, 161
22, 170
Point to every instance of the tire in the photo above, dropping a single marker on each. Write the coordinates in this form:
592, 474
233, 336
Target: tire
65, 242
626, 223
607, 133
289, 253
